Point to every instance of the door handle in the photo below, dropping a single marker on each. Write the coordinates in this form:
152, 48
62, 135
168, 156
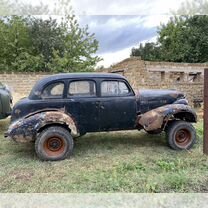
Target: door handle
102, 107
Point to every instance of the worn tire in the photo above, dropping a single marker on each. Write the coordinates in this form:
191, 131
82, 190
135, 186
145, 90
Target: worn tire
54, 143
181, 135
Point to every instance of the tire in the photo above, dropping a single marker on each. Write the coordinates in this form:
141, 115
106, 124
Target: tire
181, 135
54, 143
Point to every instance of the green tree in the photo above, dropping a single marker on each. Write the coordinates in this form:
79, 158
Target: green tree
32, 44
185, 39
147, 51
79, 48
46, 36
182, 39
14, 40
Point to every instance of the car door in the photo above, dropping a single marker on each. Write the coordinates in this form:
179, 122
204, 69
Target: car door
117, 105
83, 103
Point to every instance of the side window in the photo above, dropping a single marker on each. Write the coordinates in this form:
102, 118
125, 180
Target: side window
82, 88
54, 90
113, 88
123, 89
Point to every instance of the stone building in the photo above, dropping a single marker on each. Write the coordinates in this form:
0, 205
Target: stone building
185, 77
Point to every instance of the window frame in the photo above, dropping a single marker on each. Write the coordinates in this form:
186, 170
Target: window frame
51, 83
130, 93
82, 96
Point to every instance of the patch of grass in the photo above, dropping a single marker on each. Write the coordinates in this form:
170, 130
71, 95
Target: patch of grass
166, 165
129, 161
177, 181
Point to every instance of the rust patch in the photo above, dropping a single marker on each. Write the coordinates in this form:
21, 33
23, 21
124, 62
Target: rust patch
151, 120
22, 138
26, 129
60, 117
156, 118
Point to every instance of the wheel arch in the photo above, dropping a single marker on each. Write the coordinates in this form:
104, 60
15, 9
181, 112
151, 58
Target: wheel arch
186, 116
53, 124
158, 118
58, 118
27, 128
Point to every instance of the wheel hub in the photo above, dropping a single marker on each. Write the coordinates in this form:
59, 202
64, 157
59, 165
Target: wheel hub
54, 146
183, 138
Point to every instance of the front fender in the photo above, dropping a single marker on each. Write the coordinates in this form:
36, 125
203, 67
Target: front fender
155, 119
26, 129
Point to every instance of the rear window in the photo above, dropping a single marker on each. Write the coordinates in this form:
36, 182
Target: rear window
54, 90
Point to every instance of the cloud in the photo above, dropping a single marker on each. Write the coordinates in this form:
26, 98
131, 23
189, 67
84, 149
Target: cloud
110, 58
118, 32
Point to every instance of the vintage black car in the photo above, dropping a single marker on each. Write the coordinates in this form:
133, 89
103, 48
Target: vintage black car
65, 106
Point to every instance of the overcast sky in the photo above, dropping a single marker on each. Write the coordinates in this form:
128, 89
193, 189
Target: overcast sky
118, 34
120, 25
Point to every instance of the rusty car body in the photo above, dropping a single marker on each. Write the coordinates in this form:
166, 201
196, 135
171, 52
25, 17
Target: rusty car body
62, 107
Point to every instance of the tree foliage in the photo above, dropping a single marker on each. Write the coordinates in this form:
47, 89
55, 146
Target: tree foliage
149, 51
79, 45
182, 39
33, 44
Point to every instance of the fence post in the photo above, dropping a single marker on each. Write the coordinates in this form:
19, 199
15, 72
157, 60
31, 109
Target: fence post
205, 146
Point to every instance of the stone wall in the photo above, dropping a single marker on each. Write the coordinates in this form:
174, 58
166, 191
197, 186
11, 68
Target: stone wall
20, 83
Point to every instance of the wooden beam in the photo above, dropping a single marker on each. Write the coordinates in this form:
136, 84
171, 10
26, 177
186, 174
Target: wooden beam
205, 146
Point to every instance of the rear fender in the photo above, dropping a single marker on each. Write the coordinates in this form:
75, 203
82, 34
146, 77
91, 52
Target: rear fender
26, 129
157, 118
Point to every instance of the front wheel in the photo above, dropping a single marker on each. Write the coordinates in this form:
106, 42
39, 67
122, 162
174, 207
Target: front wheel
54, 143
181, 135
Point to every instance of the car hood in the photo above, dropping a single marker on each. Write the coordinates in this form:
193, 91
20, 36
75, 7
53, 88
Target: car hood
150, 99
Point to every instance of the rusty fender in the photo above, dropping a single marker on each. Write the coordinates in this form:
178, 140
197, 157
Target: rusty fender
156, 119
26, 129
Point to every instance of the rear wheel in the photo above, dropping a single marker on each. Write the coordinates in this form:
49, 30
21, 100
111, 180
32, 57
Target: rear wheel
181, 135
54, 143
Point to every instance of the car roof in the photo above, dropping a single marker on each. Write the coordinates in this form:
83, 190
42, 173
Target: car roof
56, 77
61, 76
84, 75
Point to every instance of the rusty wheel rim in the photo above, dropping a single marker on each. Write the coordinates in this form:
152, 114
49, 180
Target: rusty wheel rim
183, 138
54, 146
